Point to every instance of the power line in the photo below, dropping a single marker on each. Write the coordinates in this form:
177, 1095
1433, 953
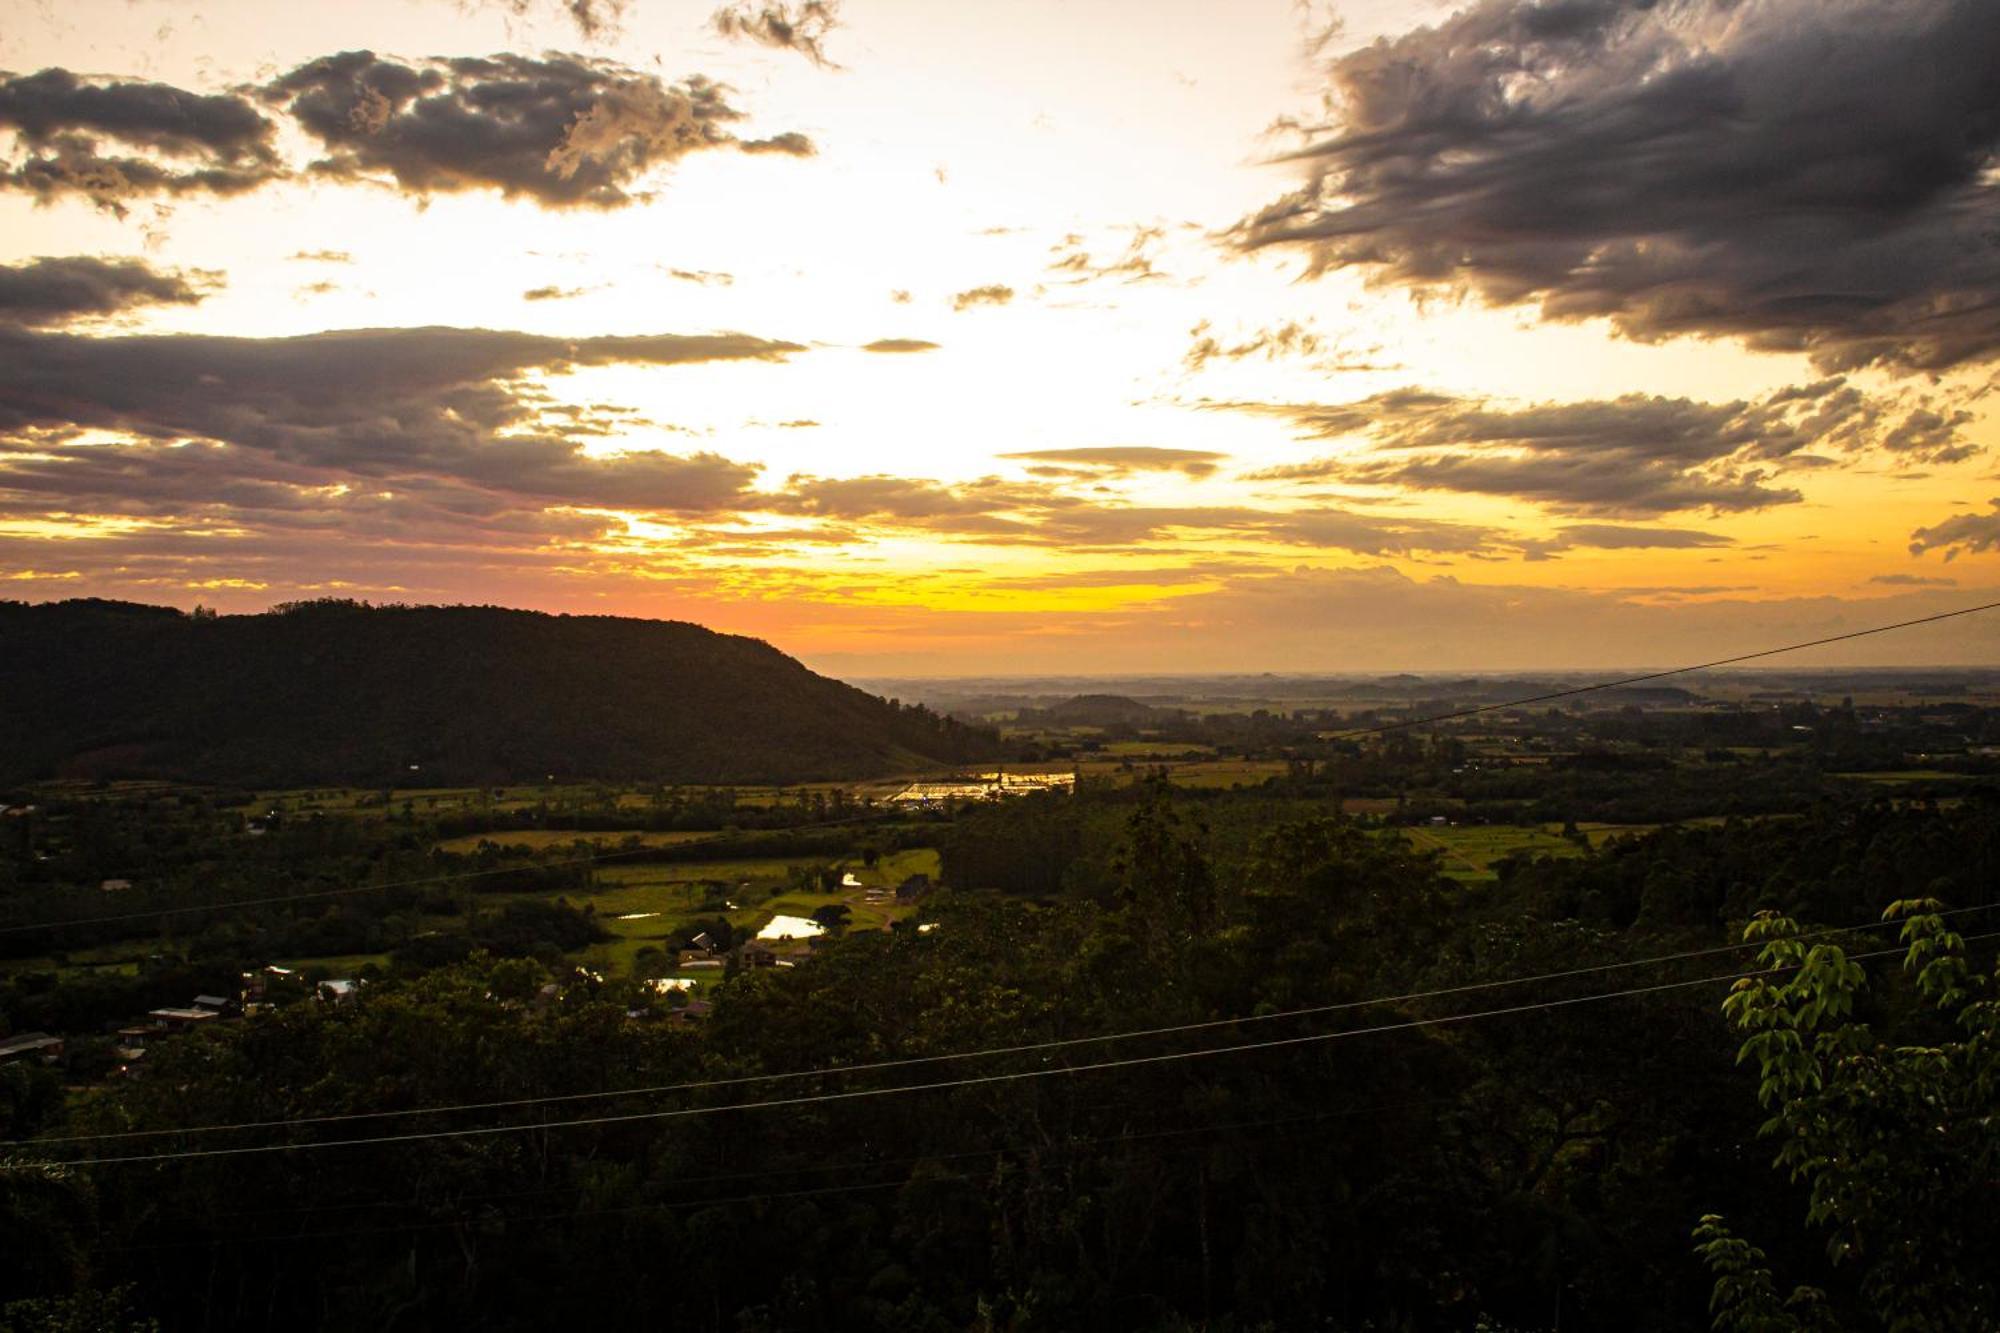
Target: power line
1658, 675
1066, 1148
1012, 1076
1024, 1048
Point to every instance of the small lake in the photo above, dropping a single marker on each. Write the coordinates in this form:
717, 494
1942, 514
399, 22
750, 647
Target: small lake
791, 928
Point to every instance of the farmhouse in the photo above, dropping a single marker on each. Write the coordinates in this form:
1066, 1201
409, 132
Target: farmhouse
31, 1046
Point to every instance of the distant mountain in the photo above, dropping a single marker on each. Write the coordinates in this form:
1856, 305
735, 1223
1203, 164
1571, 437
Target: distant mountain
340, 692
1099, 710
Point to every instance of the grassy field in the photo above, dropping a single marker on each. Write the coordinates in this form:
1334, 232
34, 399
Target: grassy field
536, 840
1471, 851
1191, 773
1901, 775
1143, 749
648, 905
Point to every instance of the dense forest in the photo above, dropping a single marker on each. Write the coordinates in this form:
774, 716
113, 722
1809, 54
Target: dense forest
335, 691
1152, 1059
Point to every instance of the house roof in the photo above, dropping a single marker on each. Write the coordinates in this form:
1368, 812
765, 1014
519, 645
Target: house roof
27, 1042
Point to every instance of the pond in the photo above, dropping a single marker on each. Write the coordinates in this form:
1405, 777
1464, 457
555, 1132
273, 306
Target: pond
791, 928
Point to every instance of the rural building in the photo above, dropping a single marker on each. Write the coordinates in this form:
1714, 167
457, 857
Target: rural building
759, 954
257, 985
115, 885
31, 1046
220, 1004
913, 888
339, 990
180, 1020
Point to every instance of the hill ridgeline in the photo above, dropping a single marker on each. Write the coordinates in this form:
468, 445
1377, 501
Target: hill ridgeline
341, 692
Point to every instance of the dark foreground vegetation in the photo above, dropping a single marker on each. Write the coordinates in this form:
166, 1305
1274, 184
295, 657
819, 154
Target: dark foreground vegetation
1387, 1097
333, 691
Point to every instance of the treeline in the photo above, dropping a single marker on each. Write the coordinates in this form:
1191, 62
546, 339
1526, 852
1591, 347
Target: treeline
1365, 1162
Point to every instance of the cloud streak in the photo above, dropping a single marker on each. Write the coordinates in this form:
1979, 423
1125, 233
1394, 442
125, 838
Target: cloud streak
60, 290
1639, 454
282, 422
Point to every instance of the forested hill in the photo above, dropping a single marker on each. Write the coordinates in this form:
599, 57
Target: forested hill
326, 692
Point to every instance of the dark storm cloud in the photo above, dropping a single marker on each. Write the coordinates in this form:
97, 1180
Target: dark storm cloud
802, 27
56, 290
1126, 458
562, 130
381, 410
900, 345
1962, 534
111, 140
1639, 454
1803, 175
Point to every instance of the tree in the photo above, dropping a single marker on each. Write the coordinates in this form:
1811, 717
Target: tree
1164, 873
1897, 1144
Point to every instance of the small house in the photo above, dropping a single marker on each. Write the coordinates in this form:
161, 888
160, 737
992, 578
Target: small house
221, 1004
913, 888
181, 1020
759, 954
339, 990
31, 1046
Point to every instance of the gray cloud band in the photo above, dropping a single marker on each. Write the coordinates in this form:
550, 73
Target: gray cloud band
562, 130
1807, 176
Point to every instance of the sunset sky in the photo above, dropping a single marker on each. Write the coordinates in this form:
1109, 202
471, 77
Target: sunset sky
933, 338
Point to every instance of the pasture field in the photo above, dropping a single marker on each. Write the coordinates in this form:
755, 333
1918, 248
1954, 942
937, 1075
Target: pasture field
1161, 749
1901, 775
1191, 773
334, 965
641, 909
1471, 851
541, 840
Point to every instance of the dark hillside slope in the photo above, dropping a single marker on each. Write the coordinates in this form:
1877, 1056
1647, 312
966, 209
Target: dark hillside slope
339, 692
